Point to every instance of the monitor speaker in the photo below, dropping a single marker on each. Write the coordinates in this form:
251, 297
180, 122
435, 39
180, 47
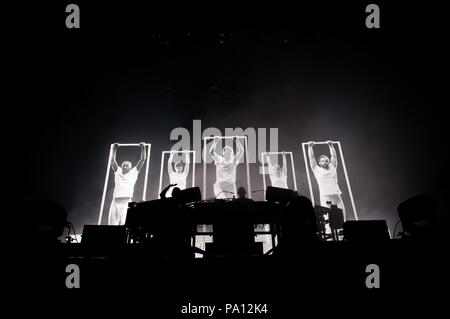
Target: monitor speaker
279, 195
366, 230
103, 237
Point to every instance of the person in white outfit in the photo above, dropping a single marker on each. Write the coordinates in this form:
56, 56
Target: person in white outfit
278, 174
178, 172
325, 172
225, 185
125, 177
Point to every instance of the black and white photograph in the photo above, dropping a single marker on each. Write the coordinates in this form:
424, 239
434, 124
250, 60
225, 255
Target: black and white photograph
227, 160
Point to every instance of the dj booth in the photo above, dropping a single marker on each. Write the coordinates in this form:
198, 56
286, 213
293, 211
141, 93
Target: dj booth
231, 223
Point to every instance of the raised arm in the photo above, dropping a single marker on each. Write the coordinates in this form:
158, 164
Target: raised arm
114, 165
312, 158
333, 154
240, 151
143, 157
170, 169
212, 150
284, 170
186, 165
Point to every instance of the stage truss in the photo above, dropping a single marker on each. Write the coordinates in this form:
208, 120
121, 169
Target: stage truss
341, 154
163, 153
205, 139
108, 168
264, 172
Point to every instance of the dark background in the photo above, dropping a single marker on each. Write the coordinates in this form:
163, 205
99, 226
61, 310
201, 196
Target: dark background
133, 73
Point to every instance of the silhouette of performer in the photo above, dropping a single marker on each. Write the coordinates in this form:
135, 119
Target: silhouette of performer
225, 185
326, 176
278, 175
242, 194
177, 174
125, 178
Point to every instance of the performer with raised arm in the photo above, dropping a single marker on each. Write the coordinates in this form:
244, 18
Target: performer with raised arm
325, 172
278, 175
225, 185
177, 173
125, 177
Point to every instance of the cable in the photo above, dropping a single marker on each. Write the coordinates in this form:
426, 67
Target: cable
70, 226
258, 190
395, 227
224, 192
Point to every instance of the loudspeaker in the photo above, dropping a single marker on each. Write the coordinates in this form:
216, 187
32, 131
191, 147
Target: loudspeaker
335, 217
46, 217
279, 195
188, 195
417, 213
103, 237
366, 230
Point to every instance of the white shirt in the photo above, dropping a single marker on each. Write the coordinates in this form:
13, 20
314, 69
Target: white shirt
125, 183
327, 180
179, 179
279, 181
225, 172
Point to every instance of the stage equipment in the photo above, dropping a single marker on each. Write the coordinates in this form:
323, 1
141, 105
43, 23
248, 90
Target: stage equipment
108, 169
341, 154
231, 223
279, 195
329, 218
205, 139
103, 237
188, 195
417, 215
46, 218
366, 230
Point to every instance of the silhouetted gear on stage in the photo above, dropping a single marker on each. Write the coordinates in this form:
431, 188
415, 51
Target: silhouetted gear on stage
103, 240
298, 221
417, 215
161, 225
188, 195
279, 195
366, 230
46, 219
330, 221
